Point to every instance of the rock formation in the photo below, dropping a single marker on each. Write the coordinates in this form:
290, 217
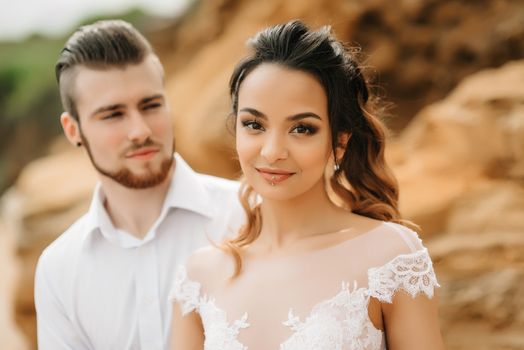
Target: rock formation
49, 195
416, 50
460, 166
460, 162
11, 337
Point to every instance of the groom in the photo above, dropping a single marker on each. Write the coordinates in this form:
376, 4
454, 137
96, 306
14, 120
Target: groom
104, 283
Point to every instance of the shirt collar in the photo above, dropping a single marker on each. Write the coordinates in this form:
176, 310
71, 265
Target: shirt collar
186, 191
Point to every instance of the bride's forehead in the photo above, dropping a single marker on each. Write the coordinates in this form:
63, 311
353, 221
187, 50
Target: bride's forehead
278, 76
271, 87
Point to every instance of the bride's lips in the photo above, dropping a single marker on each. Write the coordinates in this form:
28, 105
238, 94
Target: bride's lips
274, 176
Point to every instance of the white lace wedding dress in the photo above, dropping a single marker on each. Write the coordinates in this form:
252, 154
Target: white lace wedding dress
312, 301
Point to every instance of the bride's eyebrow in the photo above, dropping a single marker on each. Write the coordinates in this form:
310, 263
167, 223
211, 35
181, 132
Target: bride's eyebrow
254, 112
304, 115
294, 117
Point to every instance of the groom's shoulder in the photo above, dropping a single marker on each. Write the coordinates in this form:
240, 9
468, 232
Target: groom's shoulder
60, 254
57, 268
224, 193
218, 185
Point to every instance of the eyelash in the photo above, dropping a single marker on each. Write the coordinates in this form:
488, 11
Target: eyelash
252, 124
309, 129
256, 126
152, 106
119, 114
112, 115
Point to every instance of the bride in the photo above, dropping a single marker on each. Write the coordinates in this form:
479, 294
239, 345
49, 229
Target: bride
324, 260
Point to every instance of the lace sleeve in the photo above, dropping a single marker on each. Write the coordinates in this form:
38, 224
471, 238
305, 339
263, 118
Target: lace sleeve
412, 273
185, 291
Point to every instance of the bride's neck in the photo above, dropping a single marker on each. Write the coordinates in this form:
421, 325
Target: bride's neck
287, 221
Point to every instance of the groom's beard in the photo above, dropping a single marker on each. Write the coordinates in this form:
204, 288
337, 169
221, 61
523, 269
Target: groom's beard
126, 177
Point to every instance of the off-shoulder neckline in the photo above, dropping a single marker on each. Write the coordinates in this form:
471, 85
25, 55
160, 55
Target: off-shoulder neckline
375, 288
327, 249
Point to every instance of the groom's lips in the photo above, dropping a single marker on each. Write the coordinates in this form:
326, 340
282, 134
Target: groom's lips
143, 153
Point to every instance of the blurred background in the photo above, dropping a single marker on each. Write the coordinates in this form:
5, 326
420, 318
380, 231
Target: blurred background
452, 69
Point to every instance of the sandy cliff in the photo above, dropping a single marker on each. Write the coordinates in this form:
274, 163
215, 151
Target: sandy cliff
460, 161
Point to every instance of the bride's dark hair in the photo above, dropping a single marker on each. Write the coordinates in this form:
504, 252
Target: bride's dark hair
362, 180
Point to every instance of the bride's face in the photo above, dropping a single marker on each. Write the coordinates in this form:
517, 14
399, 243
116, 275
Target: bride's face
283, 139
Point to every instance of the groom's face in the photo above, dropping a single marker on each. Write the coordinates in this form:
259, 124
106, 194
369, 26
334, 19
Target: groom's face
125, 122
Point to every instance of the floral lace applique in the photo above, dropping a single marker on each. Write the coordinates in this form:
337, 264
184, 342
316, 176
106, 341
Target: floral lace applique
339, 323
412, 273
185, 291
219, 333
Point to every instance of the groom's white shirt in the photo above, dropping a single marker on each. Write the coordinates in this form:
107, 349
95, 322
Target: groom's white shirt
97, 287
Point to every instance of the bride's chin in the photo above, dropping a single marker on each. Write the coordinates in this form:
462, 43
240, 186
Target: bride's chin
274, 193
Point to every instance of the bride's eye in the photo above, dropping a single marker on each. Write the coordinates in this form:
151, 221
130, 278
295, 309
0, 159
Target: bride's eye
304, 129
252, 124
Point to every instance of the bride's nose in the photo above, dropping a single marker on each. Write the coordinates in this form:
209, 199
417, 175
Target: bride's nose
274, 148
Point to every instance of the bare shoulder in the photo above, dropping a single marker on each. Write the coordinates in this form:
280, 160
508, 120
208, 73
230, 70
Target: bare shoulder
387, 240
387, 231
406, 236
210, 266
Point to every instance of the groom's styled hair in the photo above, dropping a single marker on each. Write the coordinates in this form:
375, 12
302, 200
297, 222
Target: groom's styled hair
101, 45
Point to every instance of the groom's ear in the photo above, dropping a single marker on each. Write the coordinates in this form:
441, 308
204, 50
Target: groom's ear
71, 128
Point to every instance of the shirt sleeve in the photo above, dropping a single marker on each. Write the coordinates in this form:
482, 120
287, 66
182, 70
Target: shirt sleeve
54, 329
